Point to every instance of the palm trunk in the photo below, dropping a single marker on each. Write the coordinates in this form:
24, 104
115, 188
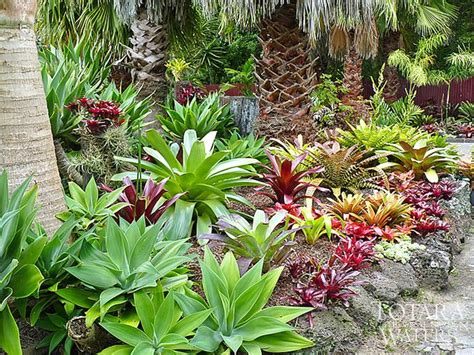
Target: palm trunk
147, 59
26, 141
392, 82
353, 74
286, 76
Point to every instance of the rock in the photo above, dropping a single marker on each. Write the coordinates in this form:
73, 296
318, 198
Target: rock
403, 275
432, 267
365, 309
333, 331
458, 214
382, 287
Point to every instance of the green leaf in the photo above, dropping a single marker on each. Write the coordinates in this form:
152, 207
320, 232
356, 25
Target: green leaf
117, 350
431, 175
189, 323
9, 334
129, 335
94, 275
207, 339
25, 280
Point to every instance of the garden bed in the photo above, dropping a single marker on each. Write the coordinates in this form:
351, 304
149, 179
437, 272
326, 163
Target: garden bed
342, 330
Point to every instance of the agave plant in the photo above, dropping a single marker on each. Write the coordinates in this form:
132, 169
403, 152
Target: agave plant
149, 203
286, 180
19, 276
204, 117
239, 321
261, 240
205, 176
419, 158
347, 168
163, 329
88, 208
130, 260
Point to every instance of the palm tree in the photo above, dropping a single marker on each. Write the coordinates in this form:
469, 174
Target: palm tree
153, 25
286, 71
26, 142
420, 16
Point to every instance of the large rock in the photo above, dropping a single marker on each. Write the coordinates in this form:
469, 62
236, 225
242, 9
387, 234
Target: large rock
365, 309
382, 287
432, 267
403, 275
333, 331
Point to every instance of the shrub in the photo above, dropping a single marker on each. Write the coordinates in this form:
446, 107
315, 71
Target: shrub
88, 208
261, 240
239, 321
400, 251
203, 118
355, 253
249, 146
285, 179
314, 226
371, 136
76, 71
205, 176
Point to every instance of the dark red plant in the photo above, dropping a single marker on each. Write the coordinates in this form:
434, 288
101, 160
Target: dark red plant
465, 129
98, 115
358, 230
432, 208
354, 253
430, 128
293, 209
145, 204
430, 225
444, 189
189, 92
299, 267
285, 181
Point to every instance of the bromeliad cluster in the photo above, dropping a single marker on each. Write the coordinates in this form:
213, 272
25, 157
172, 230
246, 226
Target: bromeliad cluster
189, 92
428, 214
319, 285
97, 115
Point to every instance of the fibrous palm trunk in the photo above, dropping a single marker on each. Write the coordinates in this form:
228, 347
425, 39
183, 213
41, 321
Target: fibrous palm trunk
392, 82
353, 75
286, 76
26, 141
148, 55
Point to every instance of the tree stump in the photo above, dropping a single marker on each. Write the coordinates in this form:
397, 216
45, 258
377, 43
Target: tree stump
245, 110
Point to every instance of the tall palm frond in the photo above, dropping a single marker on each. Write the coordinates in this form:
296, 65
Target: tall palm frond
314, 16
61, 21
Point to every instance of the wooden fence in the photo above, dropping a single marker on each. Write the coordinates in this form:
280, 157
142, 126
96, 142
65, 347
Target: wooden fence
461, 90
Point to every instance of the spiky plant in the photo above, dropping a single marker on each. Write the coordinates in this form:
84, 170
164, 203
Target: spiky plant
347, 168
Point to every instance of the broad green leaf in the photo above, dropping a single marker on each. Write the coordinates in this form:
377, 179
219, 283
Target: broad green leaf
129, 335
9, 335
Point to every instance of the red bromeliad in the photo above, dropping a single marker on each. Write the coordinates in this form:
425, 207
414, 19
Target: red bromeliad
358, 230
354, 253
99, 115
146, 204
285, 180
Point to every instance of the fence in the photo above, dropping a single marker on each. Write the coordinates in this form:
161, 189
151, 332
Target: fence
461, 90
